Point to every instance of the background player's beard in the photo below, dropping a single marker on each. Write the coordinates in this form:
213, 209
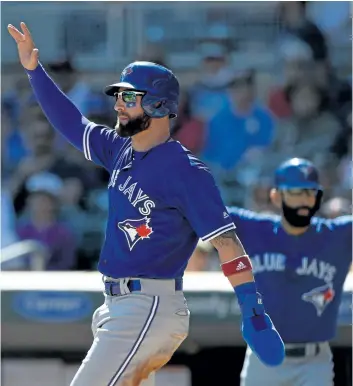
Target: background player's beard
299, 221
295, 219
133, 126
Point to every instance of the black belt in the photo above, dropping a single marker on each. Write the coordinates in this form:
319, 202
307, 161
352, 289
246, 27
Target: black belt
114, 288
298, 352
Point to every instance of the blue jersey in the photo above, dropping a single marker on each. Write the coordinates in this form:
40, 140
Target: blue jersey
301, 277
161, 202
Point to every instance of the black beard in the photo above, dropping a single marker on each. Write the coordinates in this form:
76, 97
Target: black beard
296, 220
134, 126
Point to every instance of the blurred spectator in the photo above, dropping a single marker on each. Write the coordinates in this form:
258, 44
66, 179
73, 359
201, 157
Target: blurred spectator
8, 232
8, 220
338, 91
304, 52
17, 99
333, 19
188, 130
79, 91
345, 167
308, 133
40, 138
305, 60
42, 224
209, 94
242, 132
93, 231
12, 142
339, 163
336, 207
43, 157
71, 211
298, 68
341, 145
296, 24
258, 197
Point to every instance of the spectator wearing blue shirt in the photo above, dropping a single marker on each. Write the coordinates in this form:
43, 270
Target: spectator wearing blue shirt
238, 130
208, 96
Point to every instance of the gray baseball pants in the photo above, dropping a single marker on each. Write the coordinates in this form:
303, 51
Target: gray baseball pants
135, 335
311, 370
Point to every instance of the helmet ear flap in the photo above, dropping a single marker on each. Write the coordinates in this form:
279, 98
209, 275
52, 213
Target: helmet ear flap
319, 196
155, 107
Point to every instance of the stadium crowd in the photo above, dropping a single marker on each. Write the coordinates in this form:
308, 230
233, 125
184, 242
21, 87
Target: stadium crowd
241, 123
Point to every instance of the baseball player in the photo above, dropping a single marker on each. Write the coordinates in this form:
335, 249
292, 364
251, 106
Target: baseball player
300, 263
162, 199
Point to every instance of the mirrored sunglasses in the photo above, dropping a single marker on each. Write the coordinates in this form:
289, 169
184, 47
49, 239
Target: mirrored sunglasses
128, 96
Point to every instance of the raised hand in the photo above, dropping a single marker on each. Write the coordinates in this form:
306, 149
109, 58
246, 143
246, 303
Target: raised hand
26, 49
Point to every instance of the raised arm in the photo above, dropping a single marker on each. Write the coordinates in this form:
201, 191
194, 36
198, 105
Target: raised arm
96, 141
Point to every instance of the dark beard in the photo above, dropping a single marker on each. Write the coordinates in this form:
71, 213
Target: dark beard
134, 126
296, 220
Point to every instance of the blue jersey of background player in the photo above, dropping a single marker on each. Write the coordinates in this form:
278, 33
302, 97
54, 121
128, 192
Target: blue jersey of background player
300, 264
161, 201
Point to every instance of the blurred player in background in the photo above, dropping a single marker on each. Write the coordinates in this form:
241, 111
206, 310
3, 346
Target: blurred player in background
300, 264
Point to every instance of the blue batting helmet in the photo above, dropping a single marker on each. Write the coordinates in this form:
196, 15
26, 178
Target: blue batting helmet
297, 173
160, 85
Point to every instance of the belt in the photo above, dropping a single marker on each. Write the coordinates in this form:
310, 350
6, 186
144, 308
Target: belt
126, 286
311, 349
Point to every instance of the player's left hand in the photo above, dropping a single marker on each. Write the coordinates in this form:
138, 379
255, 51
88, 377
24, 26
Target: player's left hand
260, 333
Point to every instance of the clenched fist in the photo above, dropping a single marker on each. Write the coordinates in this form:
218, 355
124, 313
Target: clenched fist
26, 49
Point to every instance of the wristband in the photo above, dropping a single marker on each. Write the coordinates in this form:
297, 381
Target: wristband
238, 265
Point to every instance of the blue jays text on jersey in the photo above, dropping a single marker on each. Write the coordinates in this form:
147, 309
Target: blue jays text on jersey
158, 210
301, 277
160, 201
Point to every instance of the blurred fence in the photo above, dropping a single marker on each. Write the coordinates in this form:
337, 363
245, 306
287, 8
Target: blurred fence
102, 35
59, 308
36, 252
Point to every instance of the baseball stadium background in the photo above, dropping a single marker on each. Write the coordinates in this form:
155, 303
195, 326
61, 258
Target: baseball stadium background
288, 62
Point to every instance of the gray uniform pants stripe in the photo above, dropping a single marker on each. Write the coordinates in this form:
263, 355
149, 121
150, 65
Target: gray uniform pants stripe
134, 335
138, 342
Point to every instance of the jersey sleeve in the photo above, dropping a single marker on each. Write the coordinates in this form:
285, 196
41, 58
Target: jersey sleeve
242, 218
343, 226
249, 222
98, 143
197, 197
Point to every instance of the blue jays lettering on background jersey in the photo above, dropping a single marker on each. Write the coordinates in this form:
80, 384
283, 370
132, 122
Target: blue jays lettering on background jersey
160, 201
300, 277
